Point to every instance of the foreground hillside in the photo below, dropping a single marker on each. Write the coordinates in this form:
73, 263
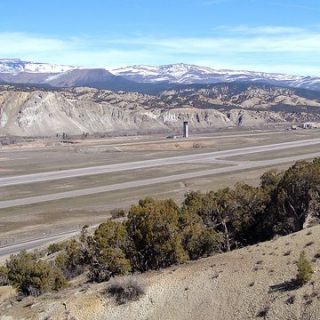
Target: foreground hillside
250, 283
37, 112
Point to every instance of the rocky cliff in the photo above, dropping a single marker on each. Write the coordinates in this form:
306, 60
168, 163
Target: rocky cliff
37, 112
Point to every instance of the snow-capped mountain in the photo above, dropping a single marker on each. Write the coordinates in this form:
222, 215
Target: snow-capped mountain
15, 66
174, 73
191, 74
141, 78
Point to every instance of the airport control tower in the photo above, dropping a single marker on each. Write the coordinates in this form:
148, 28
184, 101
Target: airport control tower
185, 129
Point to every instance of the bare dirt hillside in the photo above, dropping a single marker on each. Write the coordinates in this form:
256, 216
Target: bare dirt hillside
251, 283
42, 112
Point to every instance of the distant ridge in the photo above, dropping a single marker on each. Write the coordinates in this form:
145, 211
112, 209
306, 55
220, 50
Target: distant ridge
140, 78
190, 74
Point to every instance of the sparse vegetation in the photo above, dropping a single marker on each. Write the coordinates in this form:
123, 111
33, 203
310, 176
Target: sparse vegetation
4, 278
305, 270
309, 244
125, 291
317, 255
55, 247
264, 312
117, 213
291, 300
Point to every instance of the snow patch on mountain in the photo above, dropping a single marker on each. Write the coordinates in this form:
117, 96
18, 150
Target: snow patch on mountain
14, 66
20, 71
191, 74
188, 74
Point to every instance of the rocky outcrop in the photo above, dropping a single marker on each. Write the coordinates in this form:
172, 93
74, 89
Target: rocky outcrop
38, 112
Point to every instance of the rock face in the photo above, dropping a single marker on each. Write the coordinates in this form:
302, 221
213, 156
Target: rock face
41, 112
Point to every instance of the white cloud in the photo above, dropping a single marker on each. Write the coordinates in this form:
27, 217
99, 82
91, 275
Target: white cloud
14, 42
262, 48
236, 45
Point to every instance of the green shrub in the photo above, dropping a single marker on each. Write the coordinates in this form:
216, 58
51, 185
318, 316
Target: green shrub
233, 213
305, 270
73, 260
154, 231
33, 277
197, 240
296, 191
111, 234
108, 263
108, 259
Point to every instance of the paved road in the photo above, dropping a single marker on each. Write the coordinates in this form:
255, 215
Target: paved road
35, 243
72, 173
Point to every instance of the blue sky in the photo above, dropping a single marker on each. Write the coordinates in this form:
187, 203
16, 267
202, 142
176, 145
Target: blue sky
263, 35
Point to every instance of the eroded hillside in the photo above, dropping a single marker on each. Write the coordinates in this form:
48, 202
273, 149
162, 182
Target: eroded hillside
38, 112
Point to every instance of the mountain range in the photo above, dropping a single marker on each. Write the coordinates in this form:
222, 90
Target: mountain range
140, 78
39, 99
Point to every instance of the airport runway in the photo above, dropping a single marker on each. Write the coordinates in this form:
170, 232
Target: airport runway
231, 166
243, 165
72, 173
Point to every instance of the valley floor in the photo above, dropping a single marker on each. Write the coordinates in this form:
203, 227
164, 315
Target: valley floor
26, 224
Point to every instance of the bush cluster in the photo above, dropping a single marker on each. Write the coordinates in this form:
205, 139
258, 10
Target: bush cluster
33, 277
159, 233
